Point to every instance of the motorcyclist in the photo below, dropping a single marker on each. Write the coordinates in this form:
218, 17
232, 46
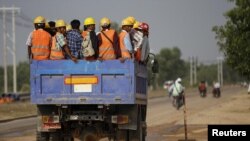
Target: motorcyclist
202, 88
216, 89
177, 93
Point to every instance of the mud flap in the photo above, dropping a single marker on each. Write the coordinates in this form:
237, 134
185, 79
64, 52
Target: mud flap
131, 111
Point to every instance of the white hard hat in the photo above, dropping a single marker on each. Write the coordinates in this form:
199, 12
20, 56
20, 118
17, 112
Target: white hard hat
178, 80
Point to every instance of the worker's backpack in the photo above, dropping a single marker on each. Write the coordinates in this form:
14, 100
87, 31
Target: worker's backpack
87, 48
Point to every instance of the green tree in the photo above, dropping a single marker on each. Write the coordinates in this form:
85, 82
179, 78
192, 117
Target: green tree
171, 66
1, 80
207, 73
233, 37
23, 77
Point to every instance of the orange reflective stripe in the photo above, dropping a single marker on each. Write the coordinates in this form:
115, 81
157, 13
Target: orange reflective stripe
106, 48
40, 44
55, 54
124, 51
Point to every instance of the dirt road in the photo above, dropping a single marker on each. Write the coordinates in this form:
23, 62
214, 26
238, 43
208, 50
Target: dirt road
165, 123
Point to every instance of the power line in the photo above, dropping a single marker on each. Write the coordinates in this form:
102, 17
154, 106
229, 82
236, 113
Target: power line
25, 20
18, 23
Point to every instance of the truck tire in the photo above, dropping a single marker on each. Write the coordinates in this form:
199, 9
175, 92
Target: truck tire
55, 136
89, 134
121, 135
42, 136
140, 133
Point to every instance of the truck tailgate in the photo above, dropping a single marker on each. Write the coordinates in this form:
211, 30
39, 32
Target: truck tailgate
88, 82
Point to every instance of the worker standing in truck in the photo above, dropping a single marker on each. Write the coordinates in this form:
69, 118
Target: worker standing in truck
125, 41
59, 43
137, 36
74, 39
143, 49
108, 41
39, 41
89, 30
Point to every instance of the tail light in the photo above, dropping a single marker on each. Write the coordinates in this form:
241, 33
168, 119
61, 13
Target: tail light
120, 119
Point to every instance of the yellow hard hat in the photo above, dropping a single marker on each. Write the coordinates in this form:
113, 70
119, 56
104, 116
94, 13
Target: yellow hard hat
132, 19
47, 25
39, 19
60, 23
136, 25
105, 21
126, 22
89, 21
68, 27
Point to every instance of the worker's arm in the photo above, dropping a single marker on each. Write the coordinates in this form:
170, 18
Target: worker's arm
128, 43
29, 45
144, 49
29, 52
116, 46
66, 49
63, 44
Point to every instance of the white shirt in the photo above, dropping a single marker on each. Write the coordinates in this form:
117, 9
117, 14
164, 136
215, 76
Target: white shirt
217, 85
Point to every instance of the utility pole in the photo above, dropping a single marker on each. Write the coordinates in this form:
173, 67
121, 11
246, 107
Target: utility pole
191, 71
13, 10
195, 70
220, 70
5, 54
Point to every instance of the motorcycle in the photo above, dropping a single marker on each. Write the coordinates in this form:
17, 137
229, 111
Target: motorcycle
203, 93
178, 101
216, 92
202, 89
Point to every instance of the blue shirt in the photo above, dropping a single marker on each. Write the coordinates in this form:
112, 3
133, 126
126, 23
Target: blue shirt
74, 39
127, 43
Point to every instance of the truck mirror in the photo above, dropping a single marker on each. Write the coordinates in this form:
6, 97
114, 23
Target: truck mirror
155, 66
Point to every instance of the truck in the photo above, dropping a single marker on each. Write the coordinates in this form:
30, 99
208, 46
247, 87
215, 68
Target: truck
90, 100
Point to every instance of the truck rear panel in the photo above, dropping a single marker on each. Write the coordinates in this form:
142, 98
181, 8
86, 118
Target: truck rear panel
88, 82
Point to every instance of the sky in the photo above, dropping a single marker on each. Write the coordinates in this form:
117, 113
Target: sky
185, 24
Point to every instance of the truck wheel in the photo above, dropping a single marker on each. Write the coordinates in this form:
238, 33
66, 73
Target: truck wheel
140, 133
42, 136
121, 135
54, 136
89, 134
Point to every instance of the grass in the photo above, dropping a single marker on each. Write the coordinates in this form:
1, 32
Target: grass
16, 110
24, 109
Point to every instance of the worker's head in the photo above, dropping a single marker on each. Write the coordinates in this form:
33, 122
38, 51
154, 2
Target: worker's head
105, 23
127, 25
68, 27
39, 22
47, 25
75, 24
178, 80
89, 24
136, 25
52, 30
131, 19
61, 26
144, 27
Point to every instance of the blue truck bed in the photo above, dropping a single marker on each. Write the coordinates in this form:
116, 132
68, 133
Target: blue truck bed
96, 82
